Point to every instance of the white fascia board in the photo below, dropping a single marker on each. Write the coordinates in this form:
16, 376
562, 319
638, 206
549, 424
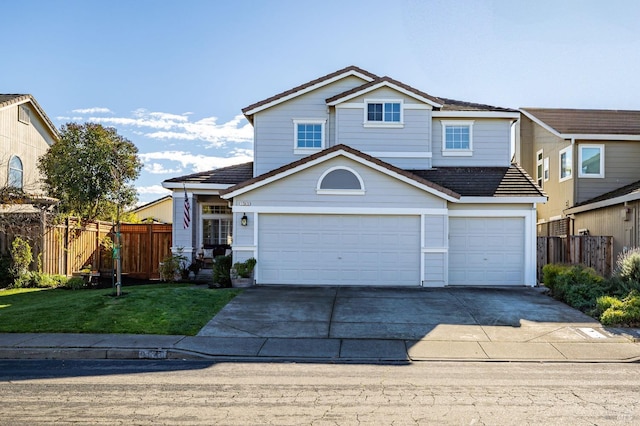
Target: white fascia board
334, 155
308, 89
389, 85
542, 123
605, 203
502, 200
602, 137
476, 114
195, 186
489, 213
401, 178
393, 211
399, 154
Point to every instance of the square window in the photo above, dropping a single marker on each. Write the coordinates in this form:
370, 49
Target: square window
457, 138
591, 159
374, 112
308, 135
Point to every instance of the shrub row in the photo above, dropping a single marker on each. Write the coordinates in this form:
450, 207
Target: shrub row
614, 301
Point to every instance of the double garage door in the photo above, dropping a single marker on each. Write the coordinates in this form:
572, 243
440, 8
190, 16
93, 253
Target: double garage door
339, 250
385, 250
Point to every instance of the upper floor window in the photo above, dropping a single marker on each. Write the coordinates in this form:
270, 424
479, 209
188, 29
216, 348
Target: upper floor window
309, 135
15, 172
383, 113
457, 138
591, 160
539, 168
546, 168
340, 181
24, 114
566, 163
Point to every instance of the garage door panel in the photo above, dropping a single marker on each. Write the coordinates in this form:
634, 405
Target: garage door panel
486, 251
339, 250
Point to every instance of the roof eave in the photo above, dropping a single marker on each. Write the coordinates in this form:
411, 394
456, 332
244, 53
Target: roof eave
633, 196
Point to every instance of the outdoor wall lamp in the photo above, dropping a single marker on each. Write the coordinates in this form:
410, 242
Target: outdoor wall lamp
244, 220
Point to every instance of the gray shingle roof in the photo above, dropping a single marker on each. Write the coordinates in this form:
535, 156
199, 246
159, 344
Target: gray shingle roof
230, 175
484, 181
588, 121
620, 192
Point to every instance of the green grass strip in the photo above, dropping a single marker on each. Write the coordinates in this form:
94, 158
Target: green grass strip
181, 309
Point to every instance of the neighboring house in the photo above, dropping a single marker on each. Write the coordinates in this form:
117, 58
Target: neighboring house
158, 211
587, 163
363, 180
25, 134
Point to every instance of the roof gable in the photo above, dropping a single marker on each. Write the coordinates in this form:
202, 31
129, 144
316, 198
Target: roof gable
306, 88
385, 82
9, 100
587, 123
333, 152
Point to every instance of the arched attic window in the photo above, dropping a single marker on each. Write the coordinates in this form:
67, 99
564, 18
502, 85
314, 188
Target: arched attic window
340, 181
15, 172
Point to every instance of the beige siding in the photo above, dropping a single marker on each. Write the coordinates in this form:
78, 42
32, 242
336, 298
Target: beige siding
611, 221
162, 211
27, 141
534, 138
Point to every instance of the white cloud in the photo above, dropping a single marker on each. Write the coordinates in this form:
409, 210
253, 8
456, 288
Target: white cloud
94, 110
198, 162
163, 126
159, 169
153, 189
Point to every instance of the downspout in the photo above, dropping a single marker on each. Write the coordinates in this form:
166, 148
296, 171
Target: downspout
574, 161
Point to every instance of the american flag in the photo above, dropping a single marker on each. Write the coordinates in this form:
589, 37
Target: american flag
187, 210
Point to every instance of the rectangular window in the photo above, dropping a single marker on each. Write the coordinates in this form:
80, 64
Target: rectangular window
23, 114
457, 138
566, 163
539, 168
546, 169
308, 135
382, 112
216, 231
591, 160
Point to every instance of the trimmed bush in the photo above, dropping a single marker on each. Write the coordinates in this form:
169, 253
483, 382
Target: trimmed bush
575, 285
620, 312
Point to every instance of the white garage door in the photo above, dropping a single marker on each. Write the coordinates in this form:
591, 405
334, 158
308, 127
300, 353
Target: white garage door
339, 250
486, 251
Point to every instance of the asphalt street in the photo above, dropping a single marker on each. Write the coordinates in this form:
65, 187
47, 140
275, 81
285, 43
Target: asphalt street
197, 392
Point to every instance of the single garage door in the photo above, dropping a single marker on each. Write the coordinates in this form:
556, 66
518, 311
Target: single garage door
486, 251
339, 250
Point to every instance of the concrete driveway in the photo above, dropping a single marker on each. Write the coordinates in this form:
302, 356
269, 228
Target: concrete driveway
394, 313
350, 323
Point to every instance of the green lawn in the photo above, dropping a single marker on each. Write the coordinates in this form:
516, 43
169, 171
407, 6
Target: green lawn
147, 309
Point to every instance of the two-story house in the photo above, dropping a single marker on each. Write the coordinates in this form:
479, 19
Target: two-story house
587, 163
26, 133
363, 180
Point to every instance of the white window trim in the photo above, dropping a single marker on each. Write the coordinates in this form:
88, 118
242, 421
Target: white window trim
24, 114
320, 191
387, 124
545, 168
219, 216
457, 152
591, 175
570, 175
540, 167
306, 151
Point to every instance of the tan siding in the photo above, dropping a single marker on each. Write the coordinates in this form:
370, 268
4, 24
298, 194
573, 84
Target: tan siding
162, 211
609, 221
27, 141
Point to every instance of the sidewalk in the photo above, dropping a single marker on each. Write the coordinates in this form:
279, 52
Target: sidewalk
330, 324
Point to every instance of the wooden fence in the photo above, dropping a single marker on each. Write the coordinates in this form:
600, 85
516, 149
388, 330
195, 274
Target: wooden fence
593, 251
68, 247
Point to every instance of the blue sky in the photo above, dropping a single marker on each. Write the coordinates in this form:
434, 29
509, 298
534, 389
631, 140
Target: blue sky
173, 76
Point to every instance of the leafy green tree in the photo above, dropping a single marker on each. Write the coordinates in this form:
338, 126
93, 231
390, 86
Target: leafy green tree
91, 170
